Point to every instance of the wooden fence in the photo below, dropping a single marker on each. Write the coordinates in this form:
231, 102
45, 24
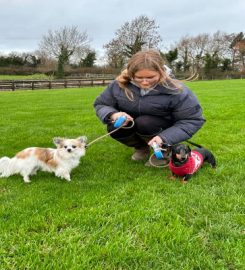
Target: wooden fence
12, 85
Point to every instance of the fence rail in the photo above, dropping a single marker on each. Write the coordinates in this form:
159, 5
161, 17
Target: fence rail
13, 85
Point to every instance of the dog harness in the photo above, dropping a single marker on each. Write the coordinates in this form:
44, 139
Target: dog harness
193, 164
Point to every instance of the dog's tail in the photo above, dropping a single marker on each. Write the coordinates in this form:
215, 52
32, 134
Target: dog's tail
5, 166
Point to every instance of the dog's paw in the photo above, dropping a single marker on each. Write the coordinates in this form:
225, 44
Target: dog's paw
63, 175
184, 181
172, 177
27, 181
67, 178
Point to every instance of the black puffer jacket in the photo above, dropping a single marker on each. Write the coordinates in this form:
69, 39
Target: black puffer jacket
180, 107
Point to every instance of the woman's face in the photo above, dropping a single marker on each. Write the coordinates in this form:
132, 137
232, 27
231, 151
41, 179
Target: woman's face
146, 78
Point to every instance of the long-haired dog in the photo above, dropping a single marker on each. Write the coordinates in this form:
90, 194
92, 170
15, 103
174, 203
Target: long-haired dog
60, 160
185, 162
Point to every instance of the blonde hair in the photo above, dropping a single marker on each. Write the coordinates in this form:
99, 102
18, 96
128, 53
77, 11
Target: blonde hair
152, 60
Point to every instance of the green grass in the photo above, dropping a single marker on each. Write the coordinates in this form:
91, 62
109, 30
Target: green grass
116, 213
37, 76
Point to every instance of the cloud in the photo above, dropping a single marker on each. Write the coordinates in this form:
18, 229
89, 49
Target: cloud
24, 22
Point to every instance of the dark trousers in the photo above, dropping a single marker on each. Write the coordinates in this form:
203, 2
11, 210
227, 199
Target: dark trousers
145, 128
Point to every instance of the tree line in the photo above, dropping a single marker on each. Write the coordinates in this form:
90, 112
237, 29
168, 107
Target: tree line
68, 50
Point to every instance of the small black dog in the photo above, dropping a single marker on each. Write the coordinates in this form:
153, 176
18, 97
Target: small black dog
184, 161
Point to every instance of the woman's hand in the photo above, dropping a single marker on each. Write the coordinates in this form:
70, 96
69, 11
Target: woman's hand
157, 140
115, 116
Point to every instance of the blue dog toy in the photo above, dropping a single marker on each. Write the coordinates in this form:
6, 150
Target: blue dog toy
120, 121
157, 151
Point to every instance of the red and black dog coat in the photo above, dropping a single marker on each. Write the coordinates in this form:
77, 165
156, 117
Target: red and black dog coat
192, 165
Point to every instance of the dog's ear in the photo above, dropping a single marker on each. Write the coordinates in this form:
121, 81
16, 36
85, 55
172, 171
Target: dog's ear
82, 139
174, 149
189, 150
57, 140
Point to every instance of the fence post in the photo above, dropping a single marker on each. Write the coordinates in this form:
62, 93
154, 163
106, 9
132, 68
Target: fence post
65, 84
32, 85
92, 82
13, 86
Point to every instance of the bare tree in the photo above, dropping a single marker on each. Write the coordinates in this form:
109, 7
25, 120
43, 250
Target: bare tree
133, 36
238, 48
197, 50
220, 43
192, 50
183, 47
114, 55
62, 44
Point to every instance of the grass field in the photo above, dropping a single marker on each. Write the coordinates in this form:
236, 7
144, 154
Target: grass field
36, 76
116, 213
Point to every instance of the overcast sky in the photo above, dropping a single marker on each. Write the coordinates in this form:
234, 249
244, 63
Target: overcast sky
24, 22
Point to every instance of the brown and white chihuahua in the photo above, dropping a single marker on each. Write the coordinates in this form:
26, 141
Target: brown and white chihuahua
60, 160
